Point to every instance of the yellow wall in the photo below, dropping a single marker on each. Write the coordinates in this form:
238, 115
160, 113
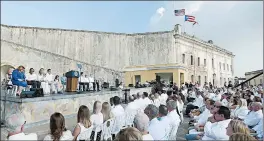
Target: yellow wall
148, 75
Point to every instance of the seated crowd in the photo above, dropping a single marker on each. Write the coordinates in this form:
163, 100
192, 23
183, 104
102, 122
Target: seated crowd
216, 114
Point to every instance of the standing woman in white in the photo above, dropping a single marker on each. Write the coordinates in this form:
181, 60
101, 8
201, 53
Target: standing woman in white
44, 84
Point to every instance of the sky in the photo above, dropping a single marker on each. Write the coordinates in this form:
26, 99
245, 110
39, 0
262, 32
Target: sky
233, 25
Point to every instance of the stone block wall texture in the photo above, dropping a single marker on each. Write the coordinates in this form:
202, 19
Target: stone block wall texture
105, 55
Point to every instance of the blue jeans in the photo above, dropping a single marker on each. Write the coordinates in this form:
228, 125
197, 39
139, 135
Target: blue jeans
191, 137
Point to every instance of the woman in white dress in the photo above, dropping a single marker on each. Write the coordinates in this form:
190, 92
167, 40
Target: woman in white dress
58, 130
97, 119
241, 110
44, 84
84, 122
180, 103
57, 84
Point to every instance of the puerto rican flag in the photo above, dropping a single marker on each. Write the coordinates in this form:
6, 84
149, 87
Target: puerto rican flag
190, 19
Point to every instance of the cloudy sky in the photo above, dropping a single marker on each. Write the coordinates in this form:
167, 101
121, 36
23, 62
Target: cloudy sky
236, 26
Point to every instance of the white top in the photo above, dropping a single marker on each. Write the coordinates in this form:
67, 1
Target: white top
163, 98
216, 131
49, 77
240, 112
23, 136
259, 129
83, 129
91, 80
40, 77
146, 101
203, 117
225, 103
253, 118
118, 110
198, 101
131, 106
31, 77
174, 117
97, 119
180, 106
159, 134
156, 102
147, 137
67, 135
82, 79
217, 97
86, 79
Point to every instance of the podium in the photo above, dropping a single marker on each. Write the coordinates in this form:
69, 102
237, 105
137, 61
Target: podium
72, 81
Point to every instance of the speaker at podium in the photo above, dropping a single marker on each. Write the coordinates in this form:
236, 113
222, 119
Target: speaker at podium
72, 81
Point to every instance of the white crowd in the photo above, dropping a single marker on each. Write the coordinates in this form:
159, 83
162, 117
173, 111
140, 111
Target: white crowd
216, 114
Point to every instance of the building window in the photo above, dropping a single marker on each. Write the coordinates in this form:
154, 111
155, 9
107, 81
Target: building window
224, 66
260, 81
255, 82
221, 81
183, 58
230, 67
227, 67
205, 79
220, 65
199, 79
191, 60
198, 61
204, 62
192, 78
212, 63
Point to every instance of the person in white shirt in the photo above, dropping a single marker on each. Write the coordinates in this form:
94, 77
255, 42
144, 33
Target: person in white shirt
58, 130
131, 106
173, 114
254, 117
50, 79
117, 110
84, 122
83, 82
97, 119
156, 100
32, 79
215, 130
15, 127
224, 100
156, 129
196, 104
141, 122
241, 110
163, 98
258, 129
91, 83
180, 104
146, 100
217, 96
165, 121
44, 83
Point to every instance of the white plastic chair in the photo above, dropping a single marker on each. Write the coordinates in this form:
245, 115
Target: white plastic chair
119, 122
107, 129
85, 135
96, 130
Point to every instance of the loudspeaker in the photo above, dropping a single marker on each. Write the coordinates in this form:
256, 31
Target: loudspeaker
112, 88
27, 94
38, 92
130, 85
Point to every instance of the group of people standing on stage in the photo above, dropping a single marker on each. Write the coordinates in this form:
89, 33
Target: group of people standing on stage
87, 83
47, 81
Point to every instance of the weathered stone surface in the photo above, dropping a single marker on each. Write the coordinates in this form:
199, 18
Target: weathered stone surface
105, 55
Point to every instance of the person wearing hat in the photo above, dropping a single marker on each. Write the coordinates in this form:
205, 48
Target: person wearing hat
15, 126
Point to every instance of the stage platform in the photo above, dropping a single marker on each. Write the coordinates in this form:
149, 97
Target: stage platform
38, 110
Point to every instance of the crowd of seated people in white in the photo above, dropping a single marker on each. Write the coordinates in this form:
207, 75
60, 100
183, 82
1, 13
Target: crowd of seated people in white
221, 108
157, 117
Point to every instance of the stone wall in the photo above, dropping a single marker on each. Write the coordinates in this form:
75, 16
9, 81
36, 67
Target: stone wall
105, 54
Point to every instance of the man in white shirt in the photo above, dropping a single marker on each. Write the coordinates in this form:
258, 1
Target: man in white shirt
50, 79
141, 122
15, 126
165, 121
32, 79
254, 117
215, 130
146, 99
131, 106
174, 117
91, 83
117, 110
196, 104
82, 82
163, 98
156, 129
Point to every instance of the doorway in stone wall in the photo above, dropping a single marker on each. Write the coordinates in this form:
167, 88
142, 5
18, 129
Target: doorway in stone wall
181, 78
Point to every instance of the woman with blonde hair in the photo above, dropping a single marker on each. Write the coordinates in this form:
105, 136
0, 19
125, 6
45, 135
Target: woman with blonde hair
58, 130
83, 119
241, 137
241, 110
236, 126
129, 134
106, 111
97, 119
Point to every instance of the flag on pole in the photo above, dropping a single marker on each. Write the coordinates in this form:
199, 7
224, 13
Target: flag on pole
189, 18
180, 12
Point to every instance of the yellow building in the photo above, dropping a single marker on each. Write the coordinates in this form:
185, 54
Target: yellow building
167, 73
